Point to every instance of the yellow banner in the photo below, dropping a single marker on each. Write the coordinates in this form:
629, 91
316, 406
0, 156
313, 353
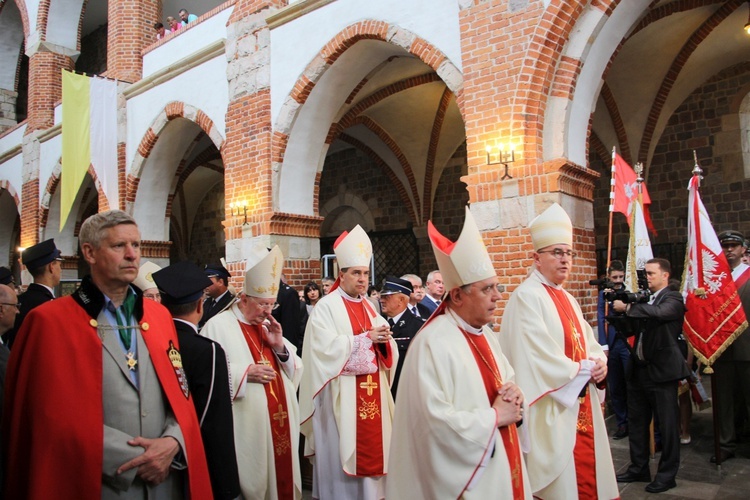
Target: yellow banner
76, 140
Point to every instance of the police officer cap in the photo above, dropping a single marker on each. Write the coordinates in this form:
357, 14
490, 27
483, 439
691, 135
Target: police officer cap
396, 285
40, 254
732, 235
181, 283
6, 277
216, 270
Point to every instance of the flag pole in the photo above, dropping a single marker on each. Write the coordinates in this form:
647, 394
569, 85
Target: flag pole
611, 210
697, 174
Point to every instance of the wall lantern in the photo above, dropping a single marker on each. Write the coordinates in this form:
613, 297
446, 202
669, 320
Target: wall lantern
235, 208
500, 156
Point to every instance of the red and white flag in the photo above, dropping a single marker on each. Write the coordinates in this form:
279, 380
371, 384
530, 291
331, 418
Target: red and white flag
626, 191
639, 247
714, 316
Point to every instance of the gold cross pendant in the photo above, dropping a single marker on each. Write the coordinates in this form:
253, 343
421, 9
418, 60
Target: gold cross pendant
264, 361
131, 361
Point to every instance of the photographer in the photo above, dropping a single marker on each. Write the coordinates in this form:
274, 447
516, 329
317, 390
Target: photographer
652, 381
616, 349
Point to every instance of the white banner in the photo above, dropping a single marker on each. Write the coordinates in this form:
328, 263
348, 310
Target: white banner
103, 112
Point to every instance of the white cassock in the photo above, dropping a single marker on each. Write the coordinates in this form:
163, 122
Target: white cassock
252, 427
445, 442
328, 403
533, 339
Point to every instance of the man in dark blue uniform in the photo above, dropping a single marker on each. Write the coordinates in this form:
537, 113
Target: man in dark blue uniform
394, 297
205, 364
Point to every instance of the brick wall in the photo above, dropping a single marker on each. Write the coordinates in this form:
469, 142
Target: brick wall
699, 124
7, 109
93, 58
45, 88
132, 29
351, 171
207, 235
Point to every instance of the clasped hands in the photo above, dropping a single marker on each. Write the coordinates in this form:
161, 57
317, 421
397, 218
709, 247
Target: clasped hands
380, 334
599, 370
508, 404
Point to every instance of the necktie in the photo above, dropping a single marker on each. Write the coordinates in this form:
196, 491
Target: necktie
414, 311
390, 322
438, 302
210, 303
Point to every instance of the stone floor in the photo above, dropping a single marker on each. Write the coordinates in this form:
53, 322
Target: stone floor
698, 478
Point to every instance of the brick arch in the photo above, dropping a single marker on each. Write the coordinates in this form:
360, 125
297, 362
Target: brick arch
172, 111
7, 186
52, 184
66, 17
445, 69
660, 99
21, 6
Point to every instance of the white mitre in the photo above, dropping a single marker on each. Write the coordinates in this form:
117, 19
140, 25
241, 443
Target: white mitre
144, 281
353, 249
464, 262
551, 227
263, 272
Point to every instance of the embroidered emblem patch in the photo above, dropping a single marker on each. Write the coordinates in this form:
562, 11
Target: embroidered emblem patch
176, 360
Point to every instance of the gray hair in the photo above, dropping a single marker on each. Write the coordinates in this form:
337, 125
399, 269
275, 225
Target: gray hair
432, 275
93, 229
409, 277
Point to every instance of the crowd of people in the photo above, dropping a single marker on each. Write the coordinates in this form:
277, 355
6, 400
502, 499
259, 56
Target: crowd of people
174, 24
203, 390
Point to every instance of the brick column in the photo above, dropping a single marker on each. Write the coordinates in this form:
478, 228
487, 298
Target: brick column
45, 86
512, 112
130, 29
248, 172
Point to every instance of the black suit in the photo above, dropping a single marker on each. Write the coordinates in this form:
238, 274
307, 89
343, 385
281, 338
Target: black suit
288, 314
423, 310
207, 373
211, 309
652, 383
403, 331
34, 296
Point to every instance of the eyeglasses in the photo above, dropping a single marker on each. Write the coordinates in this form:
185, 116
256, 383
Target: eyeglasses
17, 305
152, 296
267, 307
558, 253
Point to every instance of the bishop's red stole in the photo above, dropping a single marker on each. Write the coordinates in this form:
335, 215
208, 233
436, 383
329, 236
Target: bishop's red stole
492, 379
278, 414
575, 349
370, 453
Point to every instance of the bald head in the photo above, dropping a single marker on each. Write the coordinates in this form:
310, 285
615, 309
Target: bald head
8, 309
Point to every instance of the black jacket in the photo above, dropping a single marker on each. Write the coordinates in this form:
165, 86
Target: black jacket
210, 312
403, 331
207, 373
34, 296
661, 326
288, 314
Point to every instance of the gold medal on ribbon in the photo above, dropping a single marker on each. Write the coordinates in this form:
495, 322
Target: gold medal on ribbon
176, 359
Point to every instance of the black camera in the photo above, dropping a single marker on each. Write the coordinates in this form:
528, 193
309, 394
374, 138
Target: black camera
617, 291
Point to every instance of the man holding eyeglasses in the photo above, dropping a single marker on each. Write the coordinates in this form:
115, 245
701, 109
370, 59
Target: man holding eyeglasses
559, 365
265, 373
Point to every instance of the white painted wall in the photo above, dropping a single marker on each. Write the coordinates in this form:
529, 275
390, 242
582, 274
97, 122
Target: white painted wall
296, 43
186, 42
33, 7
62, 23
12, 139
50, 153
203, 87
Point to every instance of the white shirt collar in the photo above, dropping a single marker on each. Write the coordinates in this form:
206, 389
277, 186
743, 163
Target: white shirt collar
545, 280
347, 296
463, 324
52, 291
398, 316
194, 327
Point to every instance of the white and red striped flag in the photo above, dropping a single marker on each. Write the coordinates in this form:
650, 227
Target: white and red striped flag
625, 191
714, 316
